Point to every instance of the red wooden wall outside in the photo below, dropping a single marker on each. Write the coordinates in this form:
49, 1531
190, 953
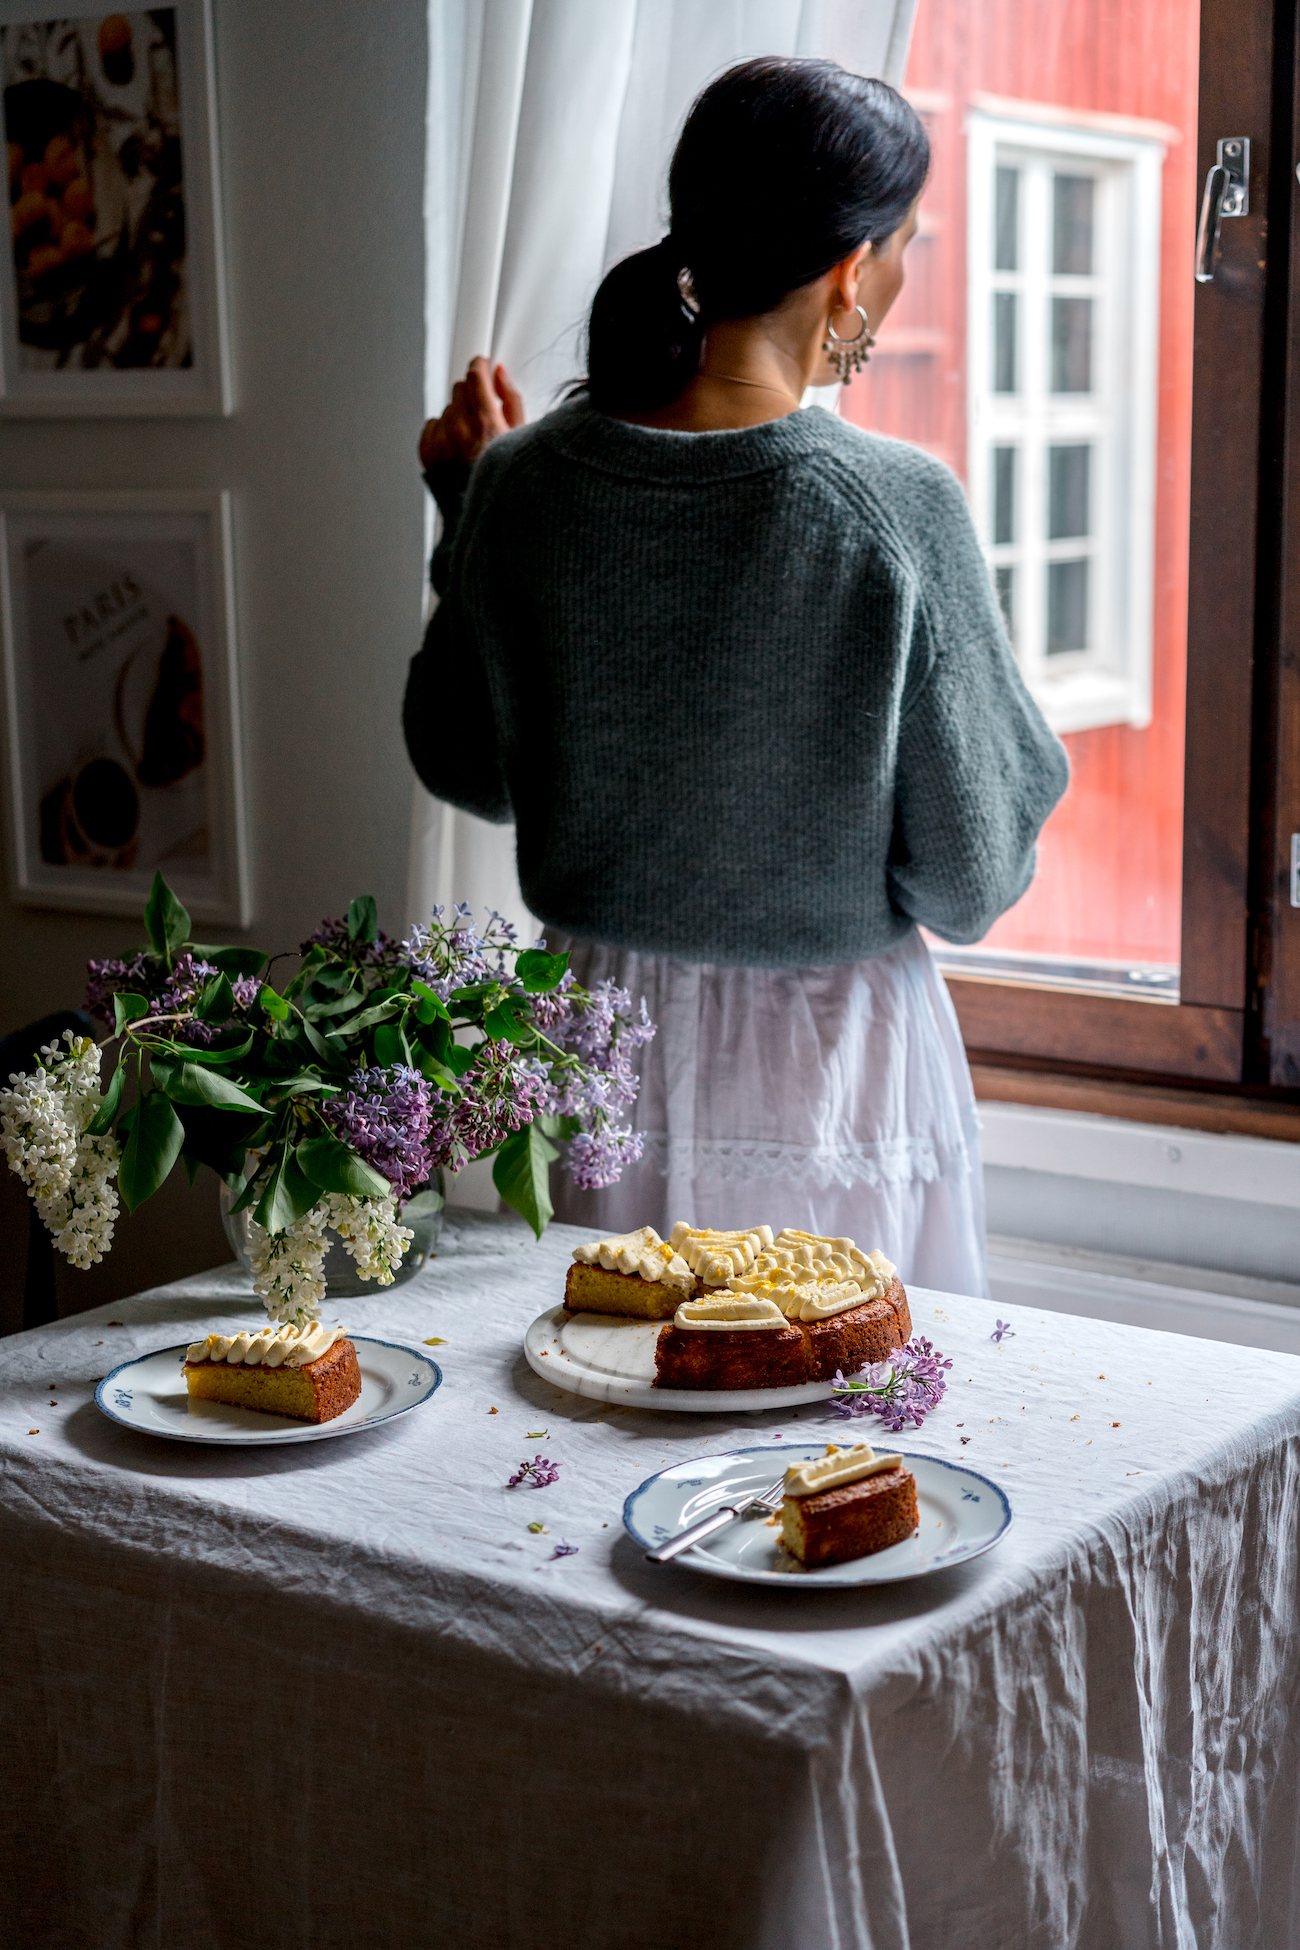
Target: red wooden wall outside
1110, 858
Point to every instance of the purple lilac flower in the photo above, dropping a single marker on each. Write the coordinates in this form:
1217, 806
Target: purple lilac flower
185, 985
565, 1550
1001, 1330
450, 953
333, 936
902, 1390
503, 1091
246, 989
106, 978
536, 1474
600, 1157
386, 1116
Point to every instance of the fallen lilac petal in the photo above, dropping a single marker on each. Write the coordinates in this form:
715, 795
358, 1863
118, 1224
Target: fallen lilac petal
565, 1550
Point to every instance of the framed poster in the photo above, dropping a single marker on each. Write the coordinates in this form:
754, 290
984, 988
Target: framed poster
111, 288
122, 701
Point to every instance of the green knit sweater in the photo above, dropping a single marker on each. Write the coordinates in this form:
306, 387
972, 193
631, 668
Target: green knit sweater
746, 695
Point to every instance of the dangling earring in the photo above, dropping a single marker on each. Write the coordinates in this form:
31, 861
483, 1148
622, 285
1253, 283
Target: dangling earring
849, 355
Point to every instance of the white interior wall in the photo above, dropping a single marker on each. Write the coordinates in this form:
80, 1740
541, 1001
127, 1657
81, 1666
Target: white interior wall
321, 108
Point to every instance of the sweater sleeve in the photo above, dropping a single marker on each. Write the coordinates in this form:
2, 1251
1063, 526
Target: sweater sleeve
978, 769
447, 716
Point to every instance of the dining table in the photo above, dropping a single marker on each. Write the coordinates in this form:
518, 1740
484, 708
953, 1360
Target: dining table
372, 1692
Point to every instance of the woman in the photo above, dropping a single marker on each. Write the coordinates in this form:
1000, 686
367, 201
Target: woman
737, 673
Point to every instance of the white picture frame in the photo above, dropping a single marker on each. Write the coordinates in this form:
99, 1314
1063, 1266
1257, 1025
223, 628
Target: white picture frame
153, 327
121, 687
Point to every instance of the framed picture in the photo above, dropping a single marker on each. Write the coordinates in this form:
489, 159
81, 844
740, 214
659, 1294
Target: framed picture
111, 289
122, 701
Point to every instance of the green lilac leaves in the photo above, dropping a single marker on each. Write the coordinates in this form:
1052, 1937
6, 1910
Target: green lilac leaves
127, 1008
166, 922
288, 1195
540, 972
363, 919
102, 1122
188, 1083
329, 1164
152, 1148
521, 1173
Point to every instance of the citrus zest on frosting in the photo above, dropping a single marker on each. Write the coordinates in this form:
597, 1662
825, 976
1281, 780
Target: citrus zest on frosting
836, 1468
811, 1278
643, 1252
716, 1256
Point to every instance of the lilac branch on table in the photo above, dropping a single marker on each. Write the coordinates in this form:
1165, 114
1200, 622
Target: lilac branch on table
536, 1474
902, 1390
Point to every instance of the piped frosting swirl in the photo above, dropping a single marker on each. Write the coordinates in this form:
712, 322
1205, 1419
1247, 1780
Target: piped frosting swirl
270, 1347
717, 1257
643, 1252
836, 1468
811, 1278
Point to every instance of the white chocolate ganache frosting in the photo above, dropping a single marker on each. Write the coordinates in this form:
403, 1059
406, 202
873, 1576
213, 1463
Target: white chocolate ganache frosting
728, 1310
643, 1252
270, 1347
716, 1257
811, 1278
836, 1468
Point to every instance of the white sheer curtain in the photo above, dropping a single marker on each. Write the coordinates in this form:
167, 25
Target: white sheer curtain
550, 127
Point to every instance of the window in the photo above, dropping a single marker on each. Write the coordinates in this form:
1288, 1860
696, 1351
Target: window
1063, 226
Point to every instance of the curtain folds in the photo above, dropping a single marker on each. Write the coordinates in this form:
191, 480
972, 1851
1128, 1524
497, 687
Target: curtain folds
550, 126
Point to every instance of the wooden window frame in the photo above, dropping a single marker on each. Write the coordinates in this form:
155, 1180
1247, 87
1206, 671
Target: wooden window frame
1236, 1029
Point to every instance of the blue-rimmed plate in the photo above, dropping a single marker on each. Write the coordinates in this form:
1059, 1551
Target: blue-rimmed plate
963, 1514
149, 1395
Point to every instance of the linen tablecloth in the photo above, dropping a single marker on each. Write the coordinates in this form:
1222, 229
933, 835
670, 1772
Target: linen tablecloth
341, 1694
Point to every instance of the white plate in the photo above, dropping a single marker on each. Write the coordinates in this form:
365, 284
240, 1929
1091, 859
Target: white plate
613, 1360
962, 1515
149, 1394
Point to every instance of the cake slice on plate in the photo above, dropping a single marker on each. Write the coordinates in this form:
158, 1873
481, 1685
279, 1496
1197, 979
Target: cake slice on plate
848, 1503
308, 1373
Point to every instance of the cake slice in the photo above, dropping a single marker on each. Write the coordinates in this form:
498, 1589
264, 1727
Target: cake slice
308, 1373
848, 1503
636, 1274
729, 1340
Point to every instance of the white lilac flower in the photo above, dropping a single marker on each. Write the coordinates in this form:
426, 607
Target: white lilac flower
289, 1266
43, 1119
368, 1230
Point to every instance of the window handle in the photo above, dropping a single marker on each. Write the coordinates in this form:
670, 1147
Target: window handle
1227, 194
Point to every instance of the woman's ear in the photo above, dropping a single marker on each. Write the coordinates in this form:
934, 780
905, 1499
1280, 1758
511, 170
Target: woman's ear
848, 275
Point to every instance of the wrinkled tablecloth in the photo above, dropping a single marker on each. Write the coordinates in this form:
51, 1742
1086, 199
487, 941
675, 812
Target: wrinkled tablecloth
341, 1694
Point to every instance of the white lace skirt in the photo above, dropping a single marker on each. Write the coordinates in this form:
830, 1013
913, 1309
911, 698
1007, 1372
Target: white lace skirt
837, 1099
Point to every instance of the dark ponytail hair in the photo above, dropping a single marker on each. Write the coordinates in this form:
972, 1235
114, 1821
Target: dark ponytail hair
784, 168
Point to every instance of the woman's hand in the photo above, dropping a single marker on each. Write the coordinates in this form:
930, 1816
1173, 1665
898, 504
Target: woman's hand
483, 404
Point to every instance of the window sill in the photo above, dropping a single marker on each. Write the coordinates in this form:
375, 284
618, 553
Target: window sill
1225, 1113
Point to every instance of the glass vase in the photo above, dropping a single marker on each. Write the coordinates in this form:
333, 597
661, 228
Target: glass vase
422, 1213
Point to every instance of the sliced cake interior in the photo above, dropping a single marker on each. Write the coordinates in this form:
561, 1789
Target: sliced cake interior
636, 1274
848, 1503
309, 1373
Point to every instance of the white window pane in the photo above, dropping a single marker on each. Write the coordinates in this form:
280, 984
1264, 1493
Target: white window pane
1006, 219
1072, 199
1004, 341
1072, 345
1067, 607
1069, 471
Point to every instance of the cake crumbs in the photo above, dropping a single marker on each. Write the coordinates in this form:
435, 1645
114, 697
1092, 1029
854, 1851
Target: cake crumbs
494, 1411
33, 1431
1114, 1425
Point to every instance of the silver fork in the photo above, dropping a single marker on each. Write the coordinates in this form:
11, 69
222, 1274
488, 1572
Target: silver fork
753, 1505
